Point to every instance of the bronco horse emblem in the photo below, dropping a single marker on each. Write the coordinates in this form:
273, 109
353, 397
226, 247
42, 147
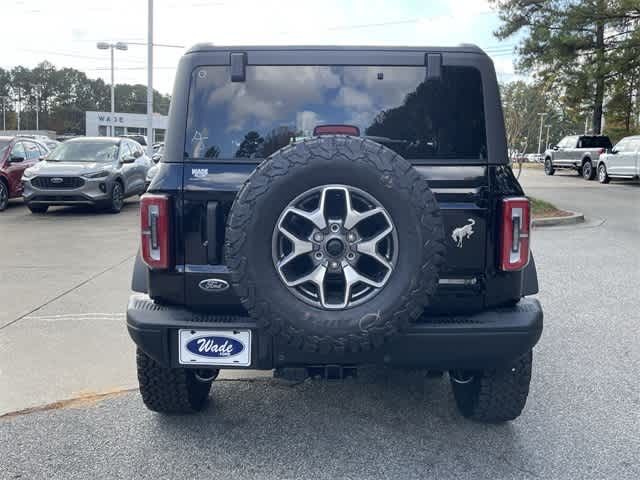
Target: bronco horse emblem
460, 233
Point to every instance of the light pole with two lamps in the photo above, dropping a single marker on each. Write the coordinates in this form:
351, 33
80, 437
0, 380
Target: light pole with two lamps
112, 47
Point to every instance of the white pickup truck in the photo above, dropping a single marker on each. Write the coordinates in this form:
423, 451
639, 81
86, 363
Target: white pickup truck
622, 162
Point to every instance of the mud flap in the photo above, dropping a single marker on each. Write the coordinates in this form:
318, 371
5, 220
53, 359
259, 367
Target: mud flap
140, 279
530, 279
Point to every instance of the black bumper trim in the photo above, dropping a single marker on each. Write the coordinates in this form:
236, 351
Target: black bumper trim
481, 340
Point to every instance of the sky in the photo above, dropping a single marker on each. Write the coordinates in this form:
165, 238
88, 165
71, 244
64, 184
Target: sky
65, 32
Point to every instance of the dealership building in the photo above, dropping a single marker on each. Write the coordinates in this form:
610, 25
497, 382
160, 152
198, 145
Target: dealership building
104, 124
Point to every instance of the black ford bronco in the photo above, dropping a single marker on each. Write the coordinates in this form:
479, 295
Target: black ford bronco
319, 209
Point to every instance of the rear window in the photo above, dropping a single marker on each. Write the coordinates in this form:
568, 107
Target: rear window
594, 142
276, 105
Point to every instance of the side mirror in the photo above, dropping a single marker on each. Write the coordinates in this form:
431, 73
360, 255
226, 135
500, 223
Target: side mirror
556, 147
137, 154
614, 150
16, 159
128, 159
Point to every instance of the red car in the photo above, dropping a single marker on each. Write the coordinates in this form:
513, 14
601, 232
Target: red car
16, 155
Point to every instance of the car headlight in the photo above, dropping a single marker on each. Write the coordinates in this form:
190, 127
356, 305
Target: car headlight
28, 173
100, 174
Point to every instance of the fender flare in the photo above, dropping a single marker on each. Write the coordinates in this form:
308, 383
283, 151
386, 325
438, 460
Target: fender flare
140, 278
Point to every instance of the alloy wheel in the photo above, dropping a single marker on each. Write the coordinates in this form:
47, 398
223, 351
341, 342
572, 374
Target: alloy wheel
117, 196
334, 246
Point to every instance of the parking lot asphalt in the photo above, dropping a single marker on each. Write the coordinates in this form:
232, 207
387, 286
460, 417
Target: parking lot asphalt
581, 421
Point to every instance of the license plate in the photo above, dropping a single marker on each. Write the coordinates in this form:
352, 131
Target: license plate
214, 347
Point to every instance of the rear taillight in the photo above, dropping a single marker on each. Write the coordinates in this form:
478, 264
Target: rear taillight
602, 150
516, 228
154, 223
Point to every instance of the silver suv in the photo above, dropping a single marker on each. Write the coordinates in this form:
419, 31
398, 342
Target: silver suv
100, 171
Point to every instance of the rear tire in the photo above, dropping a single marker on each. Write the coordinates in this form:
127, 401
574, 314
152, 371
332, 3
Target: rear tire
603, 177
493, 395
588, 172
38, 208
170, 390
548, 167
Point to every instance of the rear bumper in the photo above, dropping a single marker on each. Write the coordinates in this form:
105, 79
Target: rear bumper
483, 340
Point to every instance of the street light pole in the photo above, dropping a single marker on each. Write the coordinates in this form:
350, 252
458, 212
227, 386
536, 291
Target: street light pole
150, 79
112, 47
546, 143
4, 114
38, 93
19, 107
113, 86
541, 115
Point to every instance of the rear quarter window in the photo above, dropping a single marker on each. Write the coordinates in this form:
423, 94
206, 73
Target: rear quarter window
276, 105
595, 142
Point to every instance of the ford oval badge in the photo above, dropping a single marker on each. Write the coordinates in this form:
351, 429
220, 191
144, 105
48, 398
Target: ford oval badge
213, 285
215, 346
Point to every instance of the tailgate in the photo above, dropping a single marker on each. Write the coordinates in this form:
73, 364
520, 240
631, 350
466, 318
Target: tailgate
210, 188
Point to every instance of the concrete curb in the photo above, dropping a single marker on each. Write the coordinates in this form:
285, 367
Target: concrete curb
575, 217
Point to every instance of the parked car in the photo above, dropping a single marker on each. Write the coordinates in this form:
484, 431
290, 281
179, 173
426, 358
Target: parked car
577, 152
150, 174
622, 162
141, 139
16, 155
336, 251
49, 142
99, 171
157, 153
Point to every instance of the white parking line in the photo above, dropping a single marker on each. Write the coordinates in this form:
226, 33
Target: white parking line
77, 317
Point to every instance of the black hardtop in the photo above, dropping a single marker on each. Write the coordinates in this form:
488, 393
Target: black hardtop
210, 47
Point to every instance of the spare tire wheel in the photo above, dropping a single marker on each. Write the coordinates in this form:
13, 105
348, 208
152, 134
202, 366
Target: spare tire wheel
334, 244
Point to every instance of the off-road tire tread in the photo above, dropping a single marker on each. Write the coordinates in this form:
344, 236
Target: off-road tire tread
169, 390
496, 395
352, 149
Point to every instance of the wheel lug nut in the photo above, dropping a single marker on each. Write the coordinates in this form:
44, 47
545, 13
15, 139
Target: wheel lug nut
335, 227
318, 237
351, 256
318, 255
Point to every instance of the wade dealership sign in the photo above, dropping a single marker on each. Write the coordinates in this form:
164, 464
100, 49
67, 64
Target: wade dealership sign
111, 119
95, 120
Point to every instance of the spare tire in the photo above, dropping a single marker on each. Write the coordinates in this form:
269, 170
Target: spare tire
334, 244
